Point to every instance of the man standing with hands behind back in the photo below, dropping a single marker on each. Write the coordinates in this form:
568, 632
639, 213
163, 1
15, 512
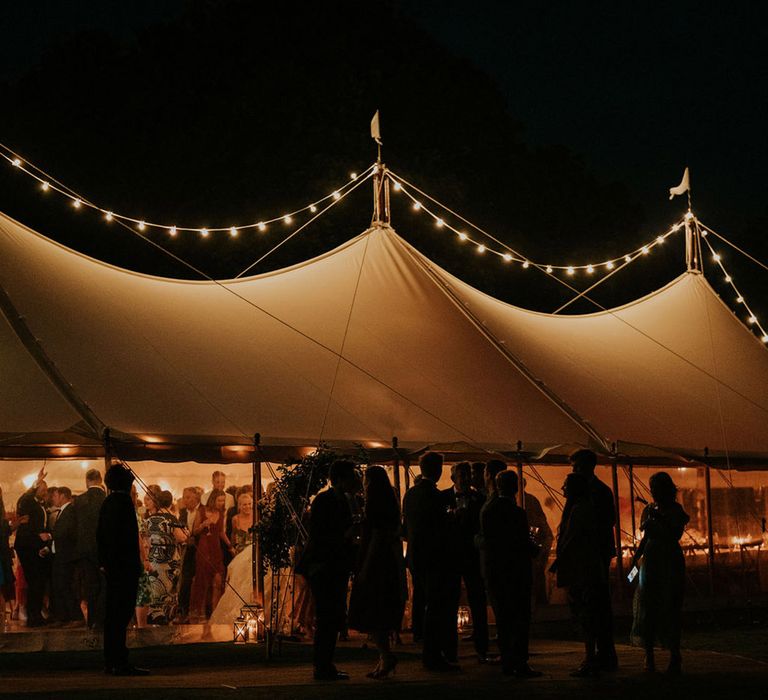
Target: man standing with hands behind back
584, 463
117, 537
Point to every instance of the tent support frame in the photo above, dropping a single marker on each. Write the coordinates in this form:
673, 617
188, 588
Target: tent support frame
710, 530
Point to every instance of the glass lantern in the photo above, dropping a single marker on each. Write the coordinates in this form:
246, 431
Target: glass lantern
240, 630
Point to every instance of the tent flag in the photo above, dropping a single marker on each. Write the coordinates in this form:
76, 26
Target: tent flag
375, 128
684, 186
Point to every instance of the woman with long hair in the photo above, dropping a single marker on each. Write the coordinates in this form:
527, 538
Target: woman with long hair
378, 594
242, 523
578, 566
209, 534
658, 600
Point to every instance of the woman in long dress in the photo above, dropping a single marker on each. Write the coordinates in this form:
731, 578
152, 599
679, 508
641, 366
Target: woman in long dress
208, 531
7, 580
164, 559
578, 566
658, 600
377, 601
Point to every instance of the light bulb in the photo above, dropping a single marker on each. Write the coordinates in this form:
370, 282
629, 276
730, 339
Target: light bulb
336, 196
287, 218
590, 269
416, 206
76, 203
312, 208
728, 278
688, 215
549, 269
644, 250
752, 319
172, 231
17, 162
764, 338
353, 176
204, 232
739, 300
627, 258
610, 265
659, 239
463, 236
507, 257
44, 186
108, 216
704, 234
232, 231
439, 222
675, 227
397, 186
716, 257
526, 264
570, 270
481, 248
142, 226
262, 226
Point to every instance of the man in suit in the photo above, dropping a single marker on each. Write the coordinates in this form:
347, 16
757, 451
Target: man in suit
219, 483
464, 504
584, 462
67, 604
86, 509
118, 555
434, 570
187, 515
327, 564
32, 546
506, 553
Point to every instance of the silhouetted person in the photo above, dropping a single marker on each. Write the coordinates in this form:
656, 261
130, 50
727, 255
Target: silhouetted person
86, 508
32, 546
64, 560
507, 551
377, 601
425, 519
117, 542
584, 463
327, 564
659, 596
545, 538
464, 504
579, 566
478, 477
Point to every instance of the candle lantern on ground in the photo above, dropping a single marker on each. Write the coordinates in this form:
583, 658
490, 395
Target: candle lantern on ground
240, 630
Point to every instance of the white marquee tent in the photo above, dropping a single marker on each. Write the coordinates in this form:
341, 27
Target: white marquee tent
366, 342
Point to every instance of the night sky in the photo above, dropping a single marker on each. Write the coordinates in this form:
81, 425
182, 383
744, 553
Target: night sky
557, 125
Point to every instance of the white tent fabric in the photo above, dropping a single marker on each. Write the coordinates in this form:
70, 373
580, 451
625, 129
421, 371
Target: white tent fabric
424, 356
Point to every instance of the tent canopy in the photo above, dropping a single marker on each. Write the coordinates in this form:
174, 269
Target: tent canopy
366, 342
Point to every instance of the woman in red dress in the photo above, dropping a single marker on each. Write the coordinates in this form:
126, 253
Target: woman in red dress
208, 531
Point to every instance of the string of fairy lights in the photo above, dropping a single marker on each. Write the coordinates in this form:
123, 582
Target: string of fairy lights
50, 185
751, 319
508, 255
418, 199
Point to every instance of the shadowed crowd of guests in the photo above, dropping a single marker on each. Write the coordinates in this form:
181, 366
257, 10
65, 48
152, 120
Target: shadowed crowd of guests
476, 533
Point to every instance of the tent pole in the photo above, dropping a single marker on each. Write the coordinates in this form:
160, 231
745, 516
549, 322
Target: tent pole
617, 527
632, 500
396, 470
107, 450
710, 533
407, 472
257, 567
520, 480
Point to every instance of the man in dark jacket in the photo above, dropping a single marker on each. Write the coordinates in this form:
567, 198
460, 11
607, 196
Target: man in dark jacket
434, 569
327, 564
506, 554
86, 510
584, 463
117, 546
32, 546
187, 515
464, 504
67, 603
